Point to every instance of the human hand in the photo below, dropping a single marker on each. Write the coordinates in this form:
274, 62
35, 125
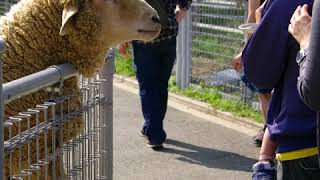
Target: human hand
300, 26
180, 14
236, 62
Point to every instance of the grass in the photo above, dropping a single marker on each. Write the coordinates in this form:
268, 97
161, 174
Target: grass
124, 66
217, 49
201, 93
211, 96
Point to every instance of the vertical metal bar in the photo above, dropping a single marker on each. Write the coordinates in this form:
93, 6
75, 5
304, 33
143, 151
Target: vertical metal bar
184, 35
85, 172
10, 155
107, 72
44, 162
184, 52
37, 143
189, 48
2, 48
89, 131
179, 57
68, 160
46, 158
61, 140
53, 134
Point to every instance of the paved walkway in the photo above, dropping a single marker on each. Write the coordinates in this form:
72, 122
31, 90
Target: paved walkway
199, 146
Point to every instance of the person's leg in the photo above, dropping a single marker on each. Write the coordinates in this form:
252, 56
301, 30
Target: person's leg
264, 99
268, 148
168, 58
299, 169
264, 169
147, 61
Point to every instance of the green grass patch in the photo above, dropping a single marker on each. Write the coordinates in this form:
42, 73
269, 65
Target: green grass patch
124, 66
211, 96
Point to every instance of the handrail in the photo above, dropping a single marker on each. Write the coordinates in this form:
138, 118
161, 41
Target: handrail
31, 83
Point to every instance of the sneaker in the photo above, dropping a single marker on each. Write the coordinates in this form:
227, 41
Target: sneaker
156, 147
143, 134
258, 138
264, 170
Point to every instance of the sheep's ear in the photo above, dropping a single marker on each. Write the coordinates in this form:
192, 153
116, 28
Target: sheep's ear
70, 9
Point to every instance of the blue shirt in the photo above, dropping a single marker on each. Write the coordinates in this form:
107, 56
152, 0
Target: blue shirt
269, 62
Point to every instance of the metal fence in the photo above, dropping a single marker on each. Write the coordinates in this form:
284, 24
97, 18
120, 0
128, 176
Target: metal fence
208, 40
41, 151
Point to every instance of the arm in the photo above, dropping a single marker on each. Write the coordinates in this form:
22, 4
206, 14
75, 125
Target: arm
252, 6
308, 82
265, 56
181, 9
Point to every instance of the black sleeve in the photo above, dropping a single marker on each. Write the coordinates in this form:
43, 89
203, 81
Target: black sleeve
309, 79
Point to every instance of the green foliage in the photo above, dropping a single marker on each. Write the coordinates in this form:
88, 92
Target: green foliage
211, 96
124, 66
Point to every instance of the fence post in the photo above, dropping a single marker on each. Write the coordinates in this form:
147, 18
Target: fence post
184, 53
107, 72
2, 48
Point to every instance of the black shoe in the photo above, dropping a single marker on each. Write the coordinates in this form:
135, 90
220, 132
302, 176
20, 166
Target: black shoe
143, 134
258, 138
156, 147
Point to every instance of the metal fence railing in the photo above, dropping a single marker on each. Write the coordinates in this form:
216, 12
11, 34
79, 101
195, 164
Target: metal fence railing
51, 147
53, 139
208, 40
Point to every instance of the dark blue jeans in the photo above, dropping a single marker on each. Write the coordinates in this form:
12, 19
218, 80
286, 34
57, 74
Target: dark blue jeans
154, 63
299, 169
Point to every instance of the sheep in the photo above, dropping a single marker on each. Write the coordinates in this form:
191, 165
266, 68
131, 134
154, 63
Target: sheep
42, 33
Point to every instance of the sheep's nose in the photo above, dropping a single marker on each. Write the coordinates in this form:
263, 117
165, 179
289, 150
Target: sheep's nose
155, 19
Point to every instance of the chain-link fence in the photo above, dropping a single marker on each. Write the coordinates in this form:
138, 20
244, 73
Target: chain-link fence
213, 39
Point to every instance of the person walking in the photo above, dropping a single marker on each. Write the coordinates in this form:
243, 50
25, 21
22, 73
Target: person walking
153, 63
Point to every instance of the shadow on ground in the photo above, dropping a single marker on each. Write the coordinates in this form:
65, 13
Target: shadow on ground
210, 158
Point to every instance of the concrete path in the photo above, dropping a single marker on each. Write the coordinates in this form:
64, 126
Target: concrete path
199, 146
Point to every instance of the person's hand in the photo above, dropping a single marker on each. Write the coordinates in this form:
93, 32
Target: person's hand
300, 26
236, 62
124, 50
180, 14
258, 12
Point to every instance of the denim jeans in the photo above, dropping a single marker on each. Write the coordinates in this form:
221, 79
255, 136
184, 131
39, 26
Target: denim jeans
299, 169
153, 63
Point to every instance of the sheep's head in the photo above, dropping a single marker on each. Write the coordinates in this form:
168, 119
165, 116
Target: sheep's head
120, 20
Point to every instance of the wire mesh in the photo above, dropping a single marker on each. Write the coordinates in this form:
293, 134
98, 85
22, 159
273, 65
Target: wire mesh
216, 39
76, 159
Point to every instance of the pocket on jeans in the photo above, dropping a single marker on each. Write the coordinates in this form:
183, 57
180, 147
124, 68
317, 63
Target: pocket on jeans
310, 163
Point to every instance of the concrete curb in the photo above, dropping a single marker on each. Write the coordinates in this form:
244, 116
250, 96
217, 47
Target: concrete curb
199, 106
